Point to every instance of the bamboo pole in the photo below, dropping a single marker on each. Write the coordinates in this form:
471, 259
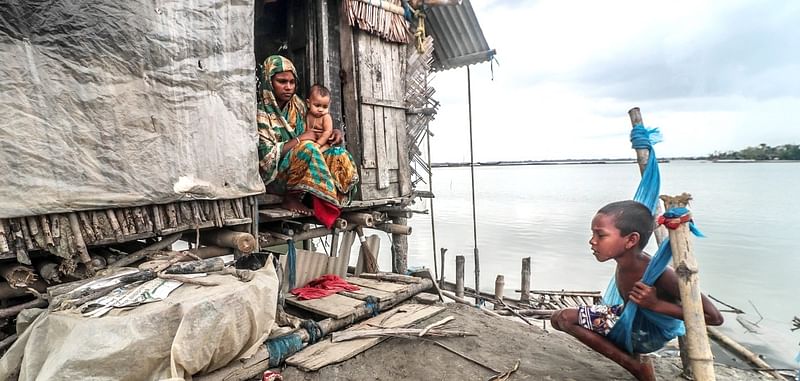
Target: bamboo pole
525, 288
442, 250
459, 276
697, 344
499, 285
742, 351
660, 232
400, 231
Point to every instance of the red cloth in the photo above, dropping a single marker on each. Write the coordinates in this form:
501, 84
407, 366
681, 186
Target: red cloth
322, 287
325, 212
673, 223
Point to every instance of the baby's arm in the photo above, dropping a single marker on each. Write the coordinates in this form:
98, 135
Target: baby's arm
327, 130
647, 297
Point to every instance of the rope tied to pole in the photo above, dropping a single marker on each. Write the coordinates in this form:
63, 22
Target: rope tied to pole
372, 305
674, 217
313, 329
282, 347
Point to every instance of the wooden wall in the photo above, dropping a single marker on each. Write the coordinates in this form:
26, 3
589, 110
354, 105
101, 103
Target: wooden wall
380, 69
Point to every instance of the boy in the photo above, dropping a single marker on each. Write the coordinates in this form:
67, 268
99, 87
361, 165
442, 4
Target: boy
620, 231
318, 118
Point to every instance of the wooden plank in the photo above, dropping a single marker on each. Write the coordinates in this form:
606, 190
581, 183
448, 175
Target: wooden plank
326, 352
391, 83
371, 192
371, 176
389, 103
365, 89
350, 95
269, 199
403, 158
276, 213
377, 285
377, 51
333, 306
379, 294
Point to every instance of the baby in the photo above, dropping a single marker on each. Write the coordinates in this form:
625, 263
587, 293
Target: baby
318, 117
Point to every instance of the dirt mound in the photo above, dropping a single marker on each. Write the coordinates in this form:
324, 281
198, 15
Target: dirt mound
543, 355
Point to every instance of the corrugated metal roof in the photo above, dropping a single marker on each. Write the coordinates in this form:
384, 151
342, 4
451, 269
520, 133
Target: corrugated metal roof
457, 37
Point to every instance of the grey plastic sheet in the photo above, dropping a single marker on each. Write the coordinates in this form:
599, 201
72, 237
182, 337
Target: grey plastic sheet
125, 103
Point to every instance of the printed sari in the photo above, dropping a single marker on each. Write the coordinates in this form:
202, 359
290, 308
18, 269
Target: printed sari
330, 176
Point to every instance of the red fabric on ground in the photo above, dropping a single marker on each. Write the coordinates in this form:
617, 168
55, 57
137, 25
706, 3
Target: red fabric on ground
325, 212
322, 287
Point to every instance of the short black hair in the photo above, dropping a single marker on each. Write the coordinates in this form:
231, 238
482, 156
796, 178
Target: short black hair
319, 90
631, 216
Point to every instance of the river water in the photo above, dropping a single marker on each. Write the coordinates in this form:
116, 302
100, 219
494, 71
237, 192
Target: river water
749, 212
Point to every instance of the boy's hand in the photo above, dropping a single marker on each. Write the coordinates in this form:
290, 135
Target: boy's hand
644, 295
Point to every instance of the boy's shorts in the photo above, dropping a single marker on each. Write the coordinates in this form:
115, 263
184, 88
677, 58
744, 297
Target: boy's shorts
599, 318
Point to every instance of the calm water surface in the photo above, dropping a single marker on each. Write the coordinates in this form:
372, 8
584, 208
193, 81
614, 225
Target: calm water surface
749, 212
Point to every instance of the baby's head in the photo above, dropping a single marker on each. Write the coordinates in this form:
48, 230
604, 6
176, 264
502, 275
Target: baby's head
620, 226
319, 100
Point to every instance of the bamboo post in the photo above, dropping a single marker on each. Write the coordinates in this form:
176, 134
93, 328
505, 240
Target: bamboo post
399, 245
660, 232
697, 344
459, 275
525, 288
642, 155
499, 285
442, 250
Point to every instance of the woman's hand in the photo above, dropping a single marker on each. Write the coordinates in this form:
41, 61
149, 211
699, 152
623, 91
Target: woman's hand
336, 137
644, 295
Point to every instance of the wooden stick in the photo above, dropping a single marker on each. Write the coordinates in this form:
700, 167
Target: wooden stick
698, 348
87, 226
80, 244
44, 223
436, 324
525, 297
741, 351
14, 310
363, 219
112, 219
244, 242
4, 248
139, 254
442, 252
459, 275
403, 332
468, 303
187, 280
499, 285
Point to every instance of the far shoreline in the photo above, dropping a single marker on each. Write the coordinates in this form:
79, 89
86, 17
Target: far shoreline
510, 163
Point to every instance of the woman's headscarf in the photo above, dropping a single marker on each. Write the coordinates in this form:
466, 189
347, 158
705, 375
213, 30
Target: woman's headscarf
294, 112
276, 126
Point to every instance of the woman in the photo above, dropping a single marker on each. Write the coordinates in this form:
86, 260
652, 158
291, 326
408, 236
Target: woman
290, 160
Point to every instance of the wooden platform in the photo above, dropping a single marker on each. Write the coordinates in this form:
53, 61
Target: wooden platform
343, 304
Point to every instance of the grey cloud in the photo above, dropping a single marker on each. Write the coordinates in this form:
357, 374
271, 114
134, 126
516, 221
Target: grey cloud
753, 51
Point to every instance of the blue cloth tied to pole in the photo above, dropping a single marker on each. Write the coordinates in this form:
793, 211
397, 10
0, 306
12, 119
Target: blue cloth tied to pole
640, 330
291, 263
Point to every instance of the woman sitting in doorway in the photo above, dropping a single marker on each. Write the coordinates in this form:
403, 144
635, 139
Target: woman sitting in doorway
290, 160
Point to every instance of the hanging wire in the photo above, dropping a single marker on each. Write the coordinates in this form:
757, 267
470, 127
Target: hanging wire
476, 253
433, 216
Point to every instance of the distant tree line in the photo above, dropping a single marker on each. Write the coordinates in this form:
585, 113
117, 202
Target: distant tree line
761, 152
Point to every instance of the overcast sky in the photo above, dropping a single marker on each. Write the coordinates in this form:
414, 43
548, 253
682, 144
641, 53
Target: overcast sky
718, 75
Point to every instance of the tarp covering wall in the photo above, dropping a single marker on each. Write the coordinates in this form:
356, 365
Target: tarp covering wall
197, 329
123, 103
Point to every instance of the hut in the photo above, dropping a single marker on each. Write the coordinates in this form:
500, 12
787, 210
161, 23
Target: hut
131, 126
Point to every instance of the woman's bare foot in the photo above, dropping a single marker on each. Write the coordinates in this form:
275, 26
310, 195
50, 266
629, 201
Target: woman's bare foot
292, 202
